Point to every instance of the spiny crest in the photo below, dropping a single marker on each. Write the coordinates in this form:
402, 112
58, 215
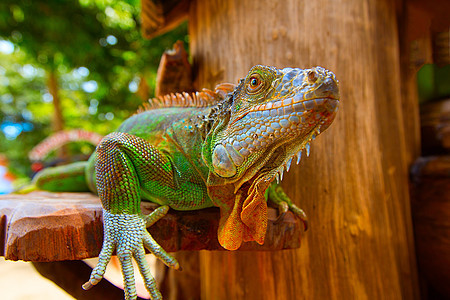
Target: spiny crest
198, 99
218, 112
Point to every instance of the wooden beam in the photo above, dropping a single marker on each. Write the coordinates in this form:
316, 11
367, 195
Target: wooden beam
174, 72
354, 187
436, 10
45, 227
159, 16
435, 127
431, 213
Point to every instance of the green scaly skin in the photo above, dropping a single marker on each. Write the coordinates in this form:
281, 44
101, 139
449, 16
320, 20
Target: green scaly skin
225, 152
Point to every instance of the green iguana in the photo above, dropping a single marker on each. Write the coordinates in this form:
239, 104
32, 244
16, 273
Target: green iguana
191, 151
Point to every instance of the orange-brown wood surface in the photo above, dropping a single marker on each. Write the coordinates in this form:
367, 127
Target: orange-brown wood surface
174, 72
354, 187
48, 227
160, 16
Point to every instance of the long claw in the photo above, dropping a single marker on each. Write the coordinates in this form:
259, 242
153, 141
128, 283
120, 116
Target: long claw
301, 215
88, 285
305, 224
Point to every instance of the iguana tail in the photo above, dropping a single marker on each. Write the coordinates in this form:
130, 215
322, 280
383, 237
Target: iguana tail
67, 178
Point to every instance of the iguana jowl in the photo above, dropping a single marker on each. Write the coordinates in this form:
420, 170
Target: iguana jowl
214, 148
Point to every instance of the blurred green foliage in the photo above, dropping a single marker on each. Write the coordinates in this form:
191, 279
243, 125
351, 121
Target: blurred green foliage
433, 82
96, 49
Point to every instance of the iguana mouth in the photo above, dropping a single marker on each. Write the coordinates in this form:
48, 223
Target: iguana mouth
281, 108
289, 119
286, 107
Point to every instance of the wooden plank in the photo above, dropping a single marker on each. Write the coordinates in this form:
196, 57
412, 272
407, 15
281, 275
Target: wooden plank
174, 72
51, 226
436, 10
435, 127
46, 227
431, 213
354, 187
159, 17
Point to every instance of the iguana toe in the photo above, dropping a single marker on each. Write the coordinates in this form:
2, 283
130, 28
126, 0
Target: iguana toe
283, 208
299, 213
149, 281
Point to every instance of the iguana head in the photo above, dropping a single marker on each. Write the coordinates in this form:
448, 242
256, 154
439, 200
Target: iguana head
273, 116
259, 129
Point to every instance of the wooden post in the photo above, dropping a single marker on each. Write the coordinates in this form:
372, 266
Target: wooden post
354, 187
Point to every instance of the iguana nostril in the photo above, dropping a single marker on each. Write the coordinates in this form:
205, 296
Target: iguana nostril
328, 89
312, 76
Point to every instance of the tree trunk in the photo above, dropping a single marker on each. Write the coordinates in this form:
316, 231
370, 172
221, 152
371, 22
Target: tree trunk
53, 89
354, 187
58, 118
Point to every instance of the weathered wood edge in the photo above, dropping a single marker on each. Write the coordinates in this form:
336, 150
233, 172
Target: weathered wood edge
46, 227
159, 17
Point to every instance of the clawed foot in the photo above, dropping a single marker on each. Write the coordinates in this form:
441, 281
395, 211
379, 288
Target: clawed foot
279, 197
127, 234
299, 213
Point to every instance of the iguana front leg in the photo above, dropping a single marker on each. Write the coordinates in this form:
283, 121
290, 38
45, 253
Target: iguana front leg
124, 163
276, 194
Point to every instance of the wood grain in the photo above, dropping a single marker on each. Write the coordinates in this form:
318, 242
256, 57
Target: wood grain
174, 72
435, 127
431, 213
159, 17
48, 227
354, 187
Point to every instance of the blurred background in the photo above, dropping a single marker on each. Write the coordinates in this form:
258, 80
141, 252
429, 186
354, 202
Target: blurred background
68, 64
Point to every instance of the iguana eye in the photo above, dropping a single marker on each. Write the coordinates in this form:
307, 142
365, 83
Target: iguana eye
254, 84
